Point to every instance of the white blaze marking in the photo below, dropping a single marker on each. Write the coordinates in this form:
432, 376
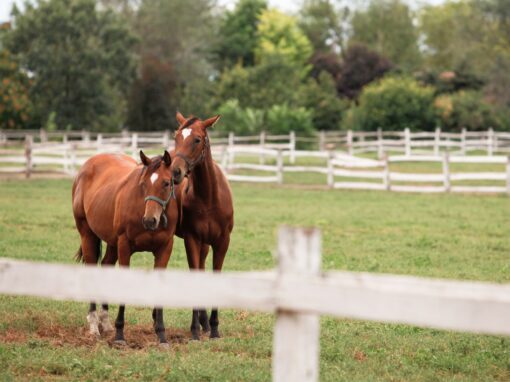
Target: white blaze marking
185, 133
154, 177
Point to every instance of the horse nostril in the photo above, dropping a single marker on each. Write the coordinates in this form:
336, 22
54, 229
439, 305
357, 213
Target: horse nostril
149, 223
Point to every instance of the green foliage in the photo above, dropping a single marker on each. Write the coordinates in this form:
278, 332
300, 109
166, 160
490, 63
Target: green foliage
238, 33
386, 26
394, 103
242, 121
279, 34
282, 119
79, 57
319, 96
467, 109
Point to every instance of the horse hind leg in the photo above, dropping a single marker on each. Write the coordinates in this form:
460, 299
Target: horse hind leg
90, 252
193, 248
219, 252
202, 313
110, 258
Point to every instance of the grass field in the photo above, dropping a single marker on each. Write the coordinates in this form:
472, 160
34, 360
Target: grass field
447, 236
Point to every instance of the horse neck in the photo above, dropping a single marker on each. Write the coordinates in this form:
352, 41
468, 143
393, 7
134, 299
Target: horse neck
205, 185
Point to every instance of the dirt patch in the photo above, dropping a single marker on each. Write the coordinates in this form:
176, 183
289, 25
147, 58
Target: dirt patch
137, 336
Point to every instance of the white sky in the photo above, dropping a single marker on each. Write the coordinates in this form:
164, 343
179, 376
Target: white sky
285, 5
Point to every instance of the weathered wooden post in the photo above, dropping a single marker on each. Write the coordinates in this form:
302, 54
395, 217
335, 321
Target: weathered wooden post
407, 140
292, 147
331, 170
296, 335
65, 139
73, 163
380, 148
463, 136
508, 175
262, 156
231, 144
166, 139
43, 136
349, 142
322, 140
29, 141
134, 145
99, 142
279, 167
446, 171
437, 141
490, 141
85, 137
387, 176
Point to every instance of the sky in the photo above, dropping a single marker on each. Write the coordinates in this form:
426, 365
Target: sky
285, 5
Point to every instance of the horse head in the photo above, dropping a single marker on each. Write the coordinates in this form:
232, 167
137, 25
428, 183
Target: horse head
191, 144
157, 187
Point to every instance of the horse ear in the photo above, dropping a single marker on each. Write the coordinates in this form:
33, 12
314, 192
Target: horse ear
167, 159
211, 121
180, 118
145, 160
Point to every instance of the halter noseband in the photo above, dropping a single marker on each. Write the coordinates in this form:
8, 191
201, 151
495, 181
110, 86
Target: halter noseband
163, 203
192, 163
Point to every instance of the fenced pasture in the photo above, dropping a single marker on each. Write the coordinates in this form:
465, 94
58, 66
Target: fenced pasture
268, 159
458, 237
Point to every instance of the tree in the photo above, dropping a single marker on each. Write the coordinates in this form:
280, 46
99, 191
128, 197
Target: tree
80, 60
238, 34
15, 105
176, 62
386, 27
279, 34
360, 67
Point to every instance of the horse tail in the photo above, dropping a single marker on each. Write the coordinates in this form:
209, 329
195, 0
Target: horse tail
99, 250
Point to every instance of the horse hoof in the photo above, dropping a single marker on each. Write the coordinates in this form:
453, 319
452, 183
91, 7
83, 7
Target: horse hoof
214, 334
164, 345
195, 336
119, 343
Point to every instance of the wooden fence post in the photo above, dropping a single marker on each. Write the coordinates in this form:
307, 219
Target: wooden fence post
134, 145
380, 147
43, 136
387, 178
490, 141
73, 159
331, 170
463, 141
437, 141
279, 166
508, 175
349, 142
85, 137
65, 138
29, 141
446, 171
262, 157
166, 139
407, 138
296, 335
322, 140
292, 147
231, 143
99, 142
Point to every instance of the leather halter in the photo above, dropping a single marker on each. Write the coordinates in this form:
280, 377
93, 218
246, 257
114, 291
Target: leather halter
163, 203
190, 163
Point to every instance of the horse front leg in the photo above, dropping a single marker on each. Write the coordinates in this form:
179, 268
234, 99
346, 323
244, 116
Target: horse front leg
161, 258
202, 313
124, 254
219, 252
193, 255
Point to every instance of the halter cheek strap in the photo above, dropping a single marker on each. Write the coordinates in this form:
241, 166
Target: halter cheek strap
163, 203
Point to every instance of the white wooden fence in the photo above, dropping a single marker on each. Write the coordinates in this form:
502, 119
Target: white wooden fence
297, 292
354, 142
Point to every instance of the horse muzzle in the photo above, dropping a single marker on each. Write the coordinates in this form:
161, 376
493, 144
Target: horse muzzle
150, 224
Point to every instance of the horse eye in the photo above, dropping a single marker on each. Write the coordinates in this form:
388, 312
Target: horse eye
197, 140
166, 183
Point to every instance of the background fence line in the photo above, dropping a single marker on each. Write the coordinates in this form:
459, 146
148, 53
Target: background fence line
297, 292
356, 172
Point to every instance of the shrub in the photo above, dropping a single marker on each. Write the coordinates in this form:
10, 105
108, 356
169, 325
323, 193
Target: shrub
281, 119
394, 103
466, 109
240, 120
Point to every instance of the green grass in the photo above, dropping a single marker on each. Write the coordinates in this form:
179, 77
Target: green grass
447, 236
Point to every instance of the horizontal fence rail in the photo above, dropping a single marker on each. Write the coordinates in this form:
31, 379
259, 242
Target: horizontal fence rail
297, 292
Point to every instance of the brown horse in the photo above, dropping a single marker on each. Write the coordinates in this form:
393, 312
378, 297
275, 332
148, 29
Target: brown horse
207, 216
129, 207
